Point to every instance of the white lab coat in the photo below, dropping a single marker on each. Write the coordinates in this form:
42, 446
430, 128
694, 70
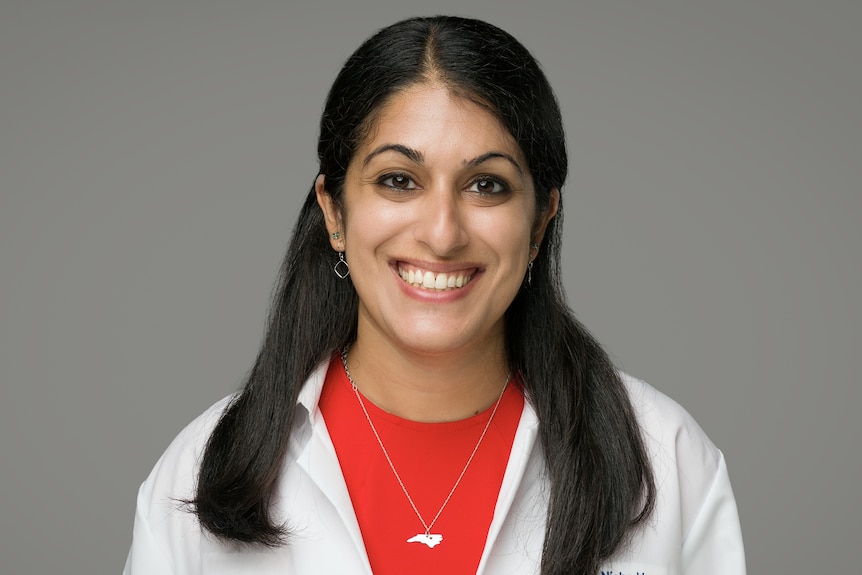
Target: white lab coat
693, 531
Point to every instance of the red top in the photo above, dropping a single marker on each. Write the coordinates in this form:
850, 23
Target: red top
428, 457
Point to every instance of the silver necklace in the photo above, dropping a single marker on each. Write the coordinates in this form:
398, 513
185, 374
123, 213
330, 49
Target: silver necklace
428, 538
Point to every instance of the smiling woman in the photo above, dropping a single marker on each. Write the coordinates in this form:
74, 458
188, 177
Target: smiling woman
424, 400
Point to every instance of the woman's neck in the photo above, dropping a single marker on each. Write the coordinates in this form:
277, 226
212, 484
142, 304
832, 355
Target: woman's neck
428, 387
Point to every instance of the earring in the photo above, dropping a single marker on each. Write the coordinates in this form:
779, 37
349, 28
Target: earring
342, 268
533, 246
336, 235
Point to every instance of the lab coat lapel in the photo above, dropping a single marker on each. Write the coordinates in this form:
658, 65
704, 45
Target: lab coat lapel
519, 464
317, 458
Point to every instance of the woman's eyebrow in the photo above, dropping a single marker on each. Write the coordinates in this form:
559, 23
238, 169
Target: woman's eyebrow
479, 160
419, 158
412, 154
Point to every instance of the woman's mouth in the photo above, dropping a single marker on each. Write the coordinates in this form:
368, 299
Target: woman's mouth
439, 281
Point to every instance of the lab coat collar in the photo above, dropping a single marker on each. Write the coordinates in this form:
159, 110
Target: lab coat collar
309, 395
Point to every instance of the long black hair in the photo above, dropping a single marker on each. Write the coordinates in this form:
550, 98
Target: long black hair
601, 483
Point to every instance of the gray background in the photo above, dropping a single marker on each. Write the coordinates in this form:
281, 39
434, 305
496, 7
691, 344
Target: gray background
153, 156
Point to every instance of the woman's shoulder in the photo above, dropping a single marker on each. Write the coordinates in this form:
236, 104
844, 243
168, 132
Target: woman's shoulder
695, 507
175, 473
164, 526
666, 425
689, 470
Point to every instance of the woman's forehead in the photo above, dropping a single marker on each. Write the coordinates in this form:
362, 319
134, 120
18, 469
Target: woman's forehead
431, 119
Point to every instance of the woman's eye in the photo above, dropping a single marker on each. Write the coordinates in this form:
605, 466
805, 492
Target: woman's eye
487, 186
398, 182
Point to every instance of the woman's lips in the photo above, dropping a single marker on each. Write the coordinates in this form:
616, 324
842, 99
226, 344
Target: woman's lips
438, 281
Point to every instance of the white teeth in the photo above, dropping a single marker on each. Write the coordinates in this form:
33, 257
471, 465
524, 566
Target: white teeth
429, 280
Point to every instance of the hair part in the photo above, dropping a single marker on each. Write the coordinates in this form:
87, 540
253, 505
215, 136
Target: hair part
601, 483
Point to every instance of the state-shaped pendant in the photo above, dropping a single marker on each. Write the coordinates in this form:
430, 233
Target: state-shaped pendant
429, 539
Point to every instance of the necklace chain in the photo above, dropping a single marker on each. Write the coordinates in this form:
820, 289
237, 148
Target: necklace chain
427, 526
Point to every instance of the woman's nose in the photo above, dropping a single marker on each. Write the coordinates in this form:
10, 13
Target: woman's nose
440, 222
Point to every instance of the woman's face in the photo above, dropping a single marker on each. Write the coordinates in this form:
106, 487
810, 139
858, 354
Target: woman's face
438, 215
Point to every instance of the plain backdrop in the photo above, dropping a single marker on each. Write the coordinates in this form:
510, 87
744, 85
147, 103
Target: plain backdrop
153, 156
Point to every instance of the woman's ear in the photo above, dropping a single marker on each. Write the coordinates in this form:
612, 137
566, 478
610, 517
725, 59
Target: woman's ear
331, 214
545, 218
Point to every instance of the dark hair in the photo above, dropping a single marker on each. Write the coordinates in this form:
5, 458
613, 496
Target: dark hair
601, 483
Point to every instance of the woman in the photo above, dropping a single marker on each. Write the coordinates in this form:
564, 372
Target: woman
424, 400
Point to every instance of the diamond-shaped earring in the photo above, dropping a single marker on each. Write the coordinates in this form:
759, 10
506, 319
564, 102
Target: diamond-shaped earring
342, 268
